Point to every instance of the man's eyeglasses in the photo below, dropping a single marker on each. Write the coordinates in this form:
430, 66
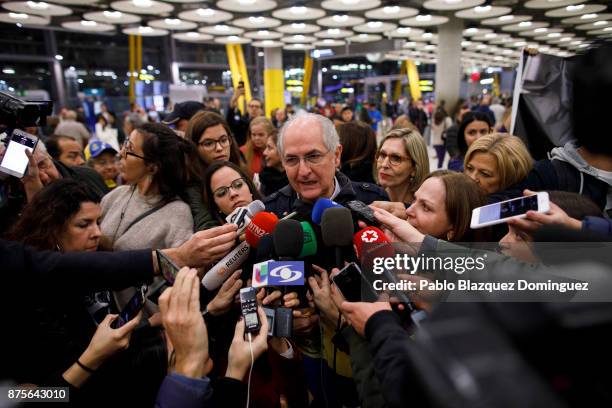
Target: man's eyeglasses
211, 144
235, 185
312, 159
394, 159
126, 150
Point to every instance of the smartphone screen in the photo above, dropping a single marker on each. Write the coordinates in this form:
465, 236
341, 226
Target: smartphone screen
168, 269
131, 309
508, 208
15, 160
353, 286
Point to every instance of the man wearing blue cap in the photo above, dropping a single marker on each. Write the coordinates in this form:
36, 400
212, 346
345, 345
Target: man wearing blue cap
102, 157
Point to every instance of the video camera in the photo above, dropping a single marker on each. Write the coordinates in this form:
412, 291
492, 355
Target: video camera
15, 113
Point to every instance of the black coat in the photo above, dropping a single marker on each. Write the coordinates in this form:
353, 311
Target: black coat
272, 180
361, 171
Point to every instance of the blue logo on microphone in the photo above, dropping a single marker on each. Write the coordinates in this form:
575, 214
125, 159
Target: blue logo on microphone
285, 273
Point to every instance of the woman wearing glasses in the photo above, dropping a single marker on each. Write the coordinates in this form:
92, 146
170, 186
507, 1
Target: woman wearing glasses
214, 141
402, 164
227, 188
146, 211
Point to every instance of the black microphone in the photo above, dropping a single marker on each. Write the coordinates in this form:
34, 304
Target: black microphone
362, 212
288, 237
337, 229
265, 249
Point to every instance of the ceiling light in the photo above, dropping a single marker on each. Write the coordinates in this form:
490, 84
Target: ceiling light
41, 5
193, 34
600, 23
482, 9
19, 16
525, 24
333, 31
350, 2
9, 71
375, 24
88, 23
298, 37
363, 36
221, 27
298, 10
575, 8
565, 39
554, 35
471, 30
172, 21
540, 30
247, 2
298, 25
425, 17
142, 3
267, 42
465, 43
328, 41
506, 18
257, 20
59, 57
404, 30
452, 1
112, 14
340, 18
608, 29
143, 29
391, 9
427, 35
520, 43
588, 16
263, 32
481, 46
205, 12
233, 38
490, 35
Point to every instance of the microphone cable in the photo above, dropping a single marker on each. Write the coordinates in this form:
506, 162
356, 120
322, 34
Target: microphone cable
250, 369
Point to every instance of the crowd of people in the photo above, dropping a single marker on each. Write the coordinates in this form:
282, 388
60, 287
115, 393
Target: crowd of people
82, 229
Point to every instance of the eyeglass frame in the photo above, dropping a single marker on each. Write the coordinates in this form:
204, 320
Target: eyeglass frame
388, 156
305, 159
124, 148
231, 186
216, 142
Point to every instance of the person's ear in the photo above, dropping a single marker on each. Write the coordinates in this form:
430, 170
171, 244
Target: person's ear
337, 155
450, 235
152, 169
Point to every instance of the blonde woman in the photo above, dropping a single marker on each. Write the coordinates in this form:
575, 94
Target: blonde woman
257, 136
401, 164
496, 162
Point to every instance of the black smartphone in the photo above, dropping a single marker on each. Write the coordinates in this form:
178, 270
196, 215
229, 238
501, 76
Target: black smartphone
132, 308
167, 267
248, 305
353, 285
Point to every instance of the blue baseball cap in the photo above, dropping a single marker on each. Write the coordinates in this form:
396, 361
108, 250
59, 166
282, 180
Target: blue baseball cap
96, 148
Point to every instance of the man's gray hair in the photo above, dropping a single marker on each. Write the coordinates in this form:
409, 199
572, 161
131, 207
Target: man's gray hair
135, 119
330, 136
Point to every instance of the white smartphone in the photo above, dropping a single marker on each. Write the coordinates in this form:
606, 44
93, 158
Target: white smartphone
504, 210
15, 161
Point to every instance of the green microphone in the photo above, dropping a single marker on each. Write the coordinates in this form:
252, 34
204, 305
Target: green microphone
310, 240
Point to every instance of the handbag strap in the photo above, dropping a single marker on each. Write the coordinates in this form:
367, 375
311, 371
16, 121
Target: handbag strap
147, 213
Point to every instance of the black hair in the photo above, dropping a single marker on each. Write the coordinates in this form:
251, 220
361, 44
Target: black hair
592, 87
53, 147
44, 217
176, 159
468, 118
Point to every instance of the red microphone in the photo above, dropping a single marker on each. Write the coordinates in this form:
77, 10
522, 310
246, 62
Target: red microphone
374, 240
261, 224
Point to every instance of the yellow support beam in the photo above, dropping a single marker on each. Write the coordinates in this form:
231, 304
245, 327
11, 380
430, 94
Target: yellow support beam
138, 53
132, 59
397, 92
233, 66
244, 74
413, 80
308, 63
274, 90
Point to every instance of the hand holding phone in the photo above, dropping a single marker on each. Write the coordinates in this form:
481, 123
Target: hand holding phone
15, 161
132, 308
167, 267
353, 286
505, 210
248, 305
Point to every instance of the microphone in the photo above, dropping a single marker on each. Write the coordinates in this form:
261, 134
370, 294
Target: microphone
371, 243
288, 240
319, 208
242, 216
310, 240
337, 230
262, 223
226, 266
362, 212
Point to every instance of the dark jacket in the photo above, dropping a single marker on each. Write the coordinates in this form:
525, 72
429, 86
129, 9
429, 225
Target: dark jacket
272, 180
451, 140
85, 174
238, 123
202, 218
285, 200
28, 274
361, 171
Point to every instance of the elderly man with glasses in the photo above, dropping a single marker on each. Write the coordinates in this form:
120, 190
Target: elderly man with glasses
310, 151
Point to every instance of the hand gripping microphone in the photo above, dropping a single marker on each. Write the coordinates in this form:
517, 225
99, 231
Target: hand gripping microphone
337, 230
319, 208
262, 223
230, 263
242, 216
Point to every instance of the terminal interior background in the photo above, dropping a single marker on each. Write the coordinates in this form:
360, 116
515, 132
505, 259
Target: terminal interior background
153, 52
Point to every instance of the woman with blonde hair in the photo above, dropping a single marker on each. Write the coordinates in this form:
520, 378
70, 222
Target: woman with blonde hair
257, 135
402, 164
496, 162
